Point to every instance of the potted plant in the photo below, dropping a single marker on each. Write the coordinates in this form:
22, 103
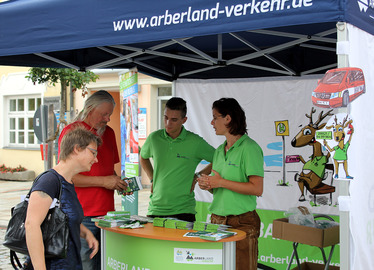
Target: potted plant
19, 173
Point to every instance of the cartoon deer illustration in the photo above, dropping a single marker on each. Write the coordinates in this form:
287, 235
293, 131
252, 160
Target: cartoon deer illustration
313, 172
341, 149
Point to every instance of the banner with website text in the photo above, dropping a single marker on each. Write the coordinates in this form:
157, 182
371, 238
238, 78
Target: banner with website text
150, 21
277, 110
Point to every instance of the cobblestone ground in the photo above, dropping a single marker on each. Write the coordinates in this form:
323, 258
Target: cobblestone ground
10, 195
4, 253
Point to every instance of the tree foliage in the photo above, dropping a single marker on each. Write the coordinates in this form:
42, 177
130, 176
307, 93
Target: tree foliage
65, 76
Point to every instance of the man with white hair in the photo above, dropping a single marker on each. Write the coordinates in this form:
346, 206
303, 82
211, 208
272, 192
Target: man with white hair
95, 189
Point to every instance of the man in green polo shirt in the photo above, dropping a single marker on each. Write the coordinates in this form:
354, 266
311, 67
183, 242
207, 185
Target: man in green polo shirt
175, 152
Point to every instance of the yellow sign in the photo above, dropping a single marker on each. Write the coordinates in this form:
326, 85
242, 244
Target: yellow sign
281, 128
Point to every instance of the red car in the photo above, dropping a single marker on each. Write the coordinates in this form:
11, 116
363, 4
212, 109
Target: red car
338, 87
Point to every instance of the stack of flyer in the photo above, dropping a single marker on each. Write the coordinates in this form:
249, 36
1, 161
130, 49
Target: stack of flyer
113, 219
210, 231
195, 234
184, 225
203, 230
215, 236
211, 236
199, 226
142, 219
118, 214
133, 225
133, 184
159, 222
210, 227
172, 223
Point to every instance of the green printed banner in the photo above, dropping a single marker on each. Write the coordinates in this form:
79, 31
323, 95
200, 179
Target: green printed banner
274, 252
125, 252
129, 134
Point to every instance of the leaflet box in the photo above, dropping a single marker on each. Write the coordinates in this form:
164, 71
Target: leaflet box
314, 266
304, 234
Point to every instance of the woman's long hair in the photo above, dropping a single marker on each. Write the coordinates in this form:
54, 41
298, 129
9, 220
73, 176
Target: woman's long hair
91, 103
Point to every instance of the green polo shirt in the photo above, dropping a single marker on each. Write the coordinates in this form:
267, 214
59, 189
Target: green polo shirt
316, 165
341, 154
243, 159
174, 165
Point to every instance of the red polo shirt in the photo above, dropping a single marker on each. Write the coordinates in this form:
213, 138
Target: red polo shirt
97, 201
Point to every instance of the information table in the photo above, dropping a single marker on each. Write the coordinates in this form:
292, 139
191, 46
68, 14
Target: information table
154, 248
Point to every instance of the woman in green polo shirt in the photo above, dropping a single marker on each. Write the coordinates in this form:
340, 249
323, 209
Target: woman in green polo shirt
236, 180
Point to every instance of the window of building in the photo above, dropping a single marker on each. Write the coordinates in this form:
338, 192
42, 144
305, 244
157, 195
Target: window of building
164, 94
20, 115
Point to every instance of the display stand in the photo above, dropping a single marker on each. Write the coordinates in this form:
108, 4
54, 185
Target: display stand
299, 234
162, 248
326, 261
343, 61
295, 254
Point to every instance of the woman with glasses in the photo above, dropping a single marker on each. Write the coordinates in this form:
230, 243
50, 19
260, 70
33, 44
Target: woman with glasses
236, 179
78, 151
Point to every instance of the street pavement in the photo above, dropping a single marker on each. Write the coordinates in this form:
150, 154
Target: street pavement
11, 193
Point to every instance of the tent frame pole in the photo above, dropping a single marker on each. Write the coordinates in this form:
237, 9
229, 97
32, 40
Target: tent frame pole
345, 235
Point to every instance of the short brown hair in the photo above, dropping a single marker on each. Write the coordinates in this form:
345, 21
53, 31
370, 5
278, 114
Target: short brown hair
177, 104
79, 136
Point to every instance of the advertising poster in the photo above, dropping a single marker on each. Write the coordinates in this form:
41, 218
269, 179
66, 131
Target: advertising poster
283, 120
142, 123
128, 83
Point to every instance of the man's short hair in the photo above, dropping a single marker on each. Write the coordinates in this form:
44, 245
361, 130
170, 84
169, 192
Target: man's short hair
79, 136
177, 104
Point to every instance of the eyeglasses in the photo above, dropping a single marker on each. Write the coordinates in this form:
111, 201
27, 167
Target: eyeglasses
93, 151
215, 117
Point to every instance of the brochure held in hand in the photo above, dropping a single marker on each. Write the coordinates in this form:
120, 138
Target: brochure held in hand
133, 184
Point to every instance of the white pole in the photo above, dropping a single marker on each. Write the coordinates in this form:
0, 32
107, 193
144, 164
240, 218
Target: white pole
342, 34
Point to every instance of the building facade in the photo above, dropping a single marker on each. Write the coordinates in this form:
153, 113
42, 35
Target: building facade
20, 98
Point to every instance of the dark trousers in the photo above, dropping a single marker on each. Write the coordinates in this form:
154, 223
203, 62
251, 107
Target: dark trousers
95, 262
185, 217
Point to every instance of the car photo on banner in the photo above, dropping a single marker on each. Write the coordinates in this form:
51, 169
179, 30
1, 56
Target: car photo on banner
339, 87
